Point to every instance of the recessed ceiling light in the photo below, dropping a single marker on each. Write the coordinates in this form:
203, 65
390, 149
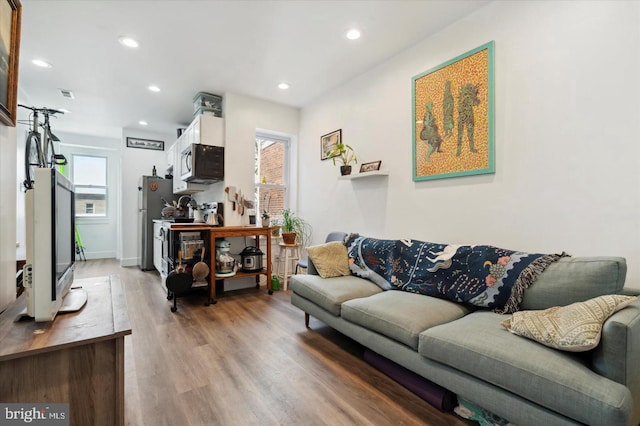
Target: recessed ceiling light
353, 34
142, 123
128, 41
41, 63
283, 86
154, 88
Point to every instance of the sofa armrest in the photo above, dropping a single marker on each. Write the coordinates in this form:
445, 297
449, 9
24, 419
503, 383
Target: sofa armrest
628, 291
616, 357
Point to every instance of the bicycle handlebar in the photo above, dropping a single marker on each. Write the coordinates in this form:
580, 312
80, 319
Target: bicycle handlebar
46, 111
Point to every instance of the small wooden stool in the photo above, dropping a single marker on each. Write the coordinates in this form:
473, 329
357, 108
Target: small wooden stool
291, 253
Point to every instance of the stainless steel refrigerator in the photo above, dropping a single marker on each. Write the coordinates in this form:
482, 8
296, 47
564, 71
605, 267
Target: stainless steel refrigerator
151, 191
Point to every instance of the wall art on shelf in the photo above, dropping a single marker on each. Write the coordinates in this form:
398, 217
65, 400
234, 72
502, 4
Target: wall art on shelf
10, 18
370, 167
145, 144
328, 142
453, 117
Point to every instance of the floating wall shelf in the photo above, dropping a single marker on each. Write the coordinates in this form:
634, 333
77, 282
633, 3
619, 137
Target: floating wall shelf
365, 175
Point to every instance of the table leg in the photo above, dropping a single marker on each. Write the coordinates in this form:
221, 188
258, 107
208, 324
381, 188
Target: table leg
286, 268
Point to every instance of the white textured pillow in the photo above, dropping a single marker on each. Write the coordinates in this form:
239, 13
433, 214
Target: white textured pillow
330, 259
575, 328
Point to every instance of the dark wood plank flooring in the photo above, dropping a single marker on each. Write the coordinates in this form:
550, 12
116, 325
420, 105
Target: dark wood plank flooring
248, 360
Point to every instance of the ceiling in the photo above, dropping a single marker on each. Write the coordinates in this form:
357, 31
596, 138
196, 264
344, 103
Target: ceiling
188, 46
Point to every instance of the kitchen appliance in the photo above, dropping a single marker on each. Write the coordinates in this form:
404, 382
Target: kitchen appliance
151, 191
225, 263
251, 259
202, 164
190, 246
198, 214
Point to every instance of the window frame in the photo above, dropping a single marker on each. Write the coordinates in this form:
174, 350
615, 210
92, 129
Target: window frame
92, 216
286, 172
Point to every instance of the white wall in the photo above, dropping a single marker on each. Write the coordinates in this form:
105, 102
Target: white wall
136, 162
8, 185
99, 235
243, 116
567, 127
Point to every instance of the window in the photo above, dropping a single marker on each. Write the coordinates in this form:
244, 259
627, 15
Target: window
271, 175
90, 180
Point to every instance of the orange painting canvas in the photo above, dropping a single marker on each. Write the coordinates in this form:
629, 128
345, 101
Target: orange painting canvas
453, 117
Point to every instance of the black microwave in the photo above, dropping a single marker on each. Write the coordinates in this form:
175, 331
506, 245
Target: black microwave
202, 164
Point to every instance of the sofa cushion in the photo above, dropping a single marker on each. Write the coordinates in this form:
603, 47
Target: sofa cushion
575, 279
576, 327
330, 259
401, 315
479, 345
330, 293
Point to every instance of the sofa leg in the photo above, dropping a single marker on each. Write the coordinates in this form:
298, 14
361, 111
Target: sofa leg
306, 320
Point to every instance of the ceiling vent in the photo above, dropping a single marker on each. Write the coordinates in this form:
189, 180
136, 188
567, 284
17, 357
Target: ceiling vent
67, 93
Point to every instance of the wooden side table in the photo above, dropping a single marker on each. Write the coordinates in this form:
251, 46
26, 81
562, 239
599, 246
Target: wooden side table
291, 252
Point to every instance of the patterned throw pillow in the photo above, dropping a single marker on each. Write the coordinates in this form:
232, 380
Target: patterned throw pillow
330, 259
575, 328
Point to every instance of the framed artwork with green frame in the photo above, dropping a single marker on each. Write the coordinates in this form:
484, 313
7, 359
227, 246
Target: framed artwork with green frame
453, 117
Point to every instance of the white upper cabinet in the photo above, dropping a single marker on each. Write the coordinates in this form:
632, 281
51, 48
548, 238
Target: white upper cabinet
205, 129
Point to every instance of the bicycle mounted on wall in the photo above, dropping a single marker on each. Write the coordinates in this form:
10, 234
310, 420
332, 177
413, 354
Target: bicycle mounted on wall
39, 150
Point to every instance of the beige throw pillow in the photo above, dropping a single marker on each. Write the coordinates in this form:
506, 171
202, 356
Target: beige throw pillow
330, 259
575, 328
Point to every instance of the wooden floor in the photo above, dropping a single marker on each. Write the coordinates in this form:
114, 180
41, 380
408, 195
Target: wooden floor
248, 360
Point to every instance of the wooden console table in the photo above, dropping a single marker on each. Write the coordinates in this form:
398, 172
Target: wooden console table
78, 358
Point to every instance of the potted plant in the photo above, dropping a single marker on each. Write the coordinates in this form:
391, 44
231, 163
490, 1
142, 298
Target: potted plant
294, 229
345, 154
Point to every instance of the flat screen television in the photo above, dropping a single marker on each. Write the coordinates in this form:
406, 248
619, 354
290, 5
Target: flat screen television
50, 245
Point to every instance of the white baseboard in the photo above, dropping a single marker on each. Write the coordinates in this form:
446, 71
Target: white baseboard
132, 261
97, 255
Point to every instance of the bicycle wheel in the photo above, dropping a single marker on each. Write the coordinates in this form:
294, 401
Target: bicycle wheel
32, 158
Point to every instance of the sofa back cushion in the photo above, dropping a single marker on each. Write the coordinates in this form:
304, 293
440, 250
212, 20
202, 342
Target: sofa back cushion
575, 279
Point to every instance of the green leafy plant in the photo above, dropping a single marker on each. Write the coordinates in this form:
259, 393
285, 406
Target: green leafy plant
343, 153
292, 223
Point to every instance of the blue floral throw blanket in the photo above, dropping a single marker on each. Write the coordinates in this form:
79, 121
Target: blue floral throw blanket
479, 275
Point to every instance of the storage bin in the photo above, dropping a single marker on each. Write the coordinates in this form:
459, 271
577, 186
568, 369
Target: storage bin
207, 102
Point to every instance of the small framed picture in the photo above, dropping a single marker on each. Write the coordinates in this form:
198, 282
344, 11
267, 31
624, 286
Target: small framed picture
370, 167
328, 142
145, 144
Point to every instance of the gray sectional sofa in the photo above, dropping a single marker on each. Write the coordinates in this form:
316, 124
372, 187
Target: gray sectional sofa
469, 352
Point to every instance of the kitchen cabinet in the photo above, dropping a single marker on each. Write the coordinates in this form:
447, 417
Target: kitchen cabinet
171, 156
205, 129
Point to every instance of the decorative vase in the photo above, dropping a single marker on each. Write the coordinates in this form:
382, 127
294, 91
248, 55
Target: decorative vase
345, 170
265, 222
289, 237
